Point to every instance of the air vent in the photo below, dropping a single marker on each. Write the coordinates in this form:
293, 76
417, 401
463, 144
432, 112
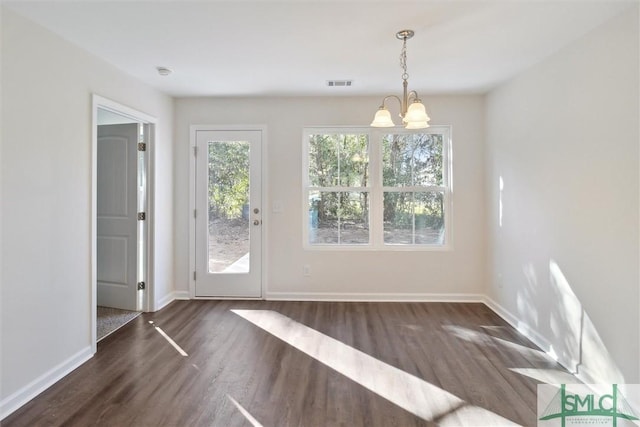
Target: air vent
339, 83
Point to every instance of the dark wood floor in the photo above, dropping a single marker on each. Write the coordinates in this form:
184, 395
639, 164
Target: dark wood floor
137, 378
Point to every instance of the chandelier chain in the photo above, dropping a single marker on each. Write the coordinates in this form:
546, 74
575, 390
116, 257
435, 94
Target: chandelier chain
403, 59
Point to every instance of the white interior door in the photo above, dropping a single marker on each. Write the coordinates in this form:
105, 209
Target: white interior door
228, 213
117, 215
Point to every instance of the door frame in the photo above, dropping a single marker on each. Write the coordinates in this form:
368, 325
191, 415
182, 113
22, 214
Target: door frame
192, 203
99, 102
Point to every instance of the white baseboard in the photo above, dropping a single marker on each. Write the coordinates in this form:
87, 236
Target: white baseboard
170, 297
533, 335
371, 297
14, 401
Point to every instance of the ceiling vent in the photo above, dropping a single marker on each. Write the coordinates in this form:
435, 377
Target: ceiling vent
339, 83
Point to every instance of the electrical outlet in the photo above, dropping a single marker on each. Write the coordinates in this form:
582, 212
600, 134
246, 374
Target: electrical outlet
306, 270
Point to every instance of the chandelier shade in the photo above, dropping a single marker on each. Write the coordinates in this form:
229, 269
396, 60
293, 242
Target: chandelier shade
417, 125
382, 119
412, 110
416, 113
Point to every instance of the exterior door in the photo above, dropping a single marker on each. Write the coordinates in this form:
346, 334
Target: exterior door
228, 213
117, 215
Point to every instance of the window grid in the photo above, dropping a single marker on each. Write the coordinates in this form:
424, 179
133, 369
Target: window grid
420, 195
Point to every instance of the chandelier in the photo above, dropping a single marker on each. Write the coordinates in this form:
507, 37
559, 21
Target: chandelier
414, 115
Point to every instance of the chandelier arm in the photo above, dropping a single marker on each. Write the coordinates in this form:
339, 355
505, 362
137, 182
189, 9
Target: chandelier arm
413, 95
391, 96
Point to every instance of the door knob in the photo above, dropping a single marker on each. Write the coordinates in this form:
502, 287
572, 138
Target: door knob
256, 222
256, 210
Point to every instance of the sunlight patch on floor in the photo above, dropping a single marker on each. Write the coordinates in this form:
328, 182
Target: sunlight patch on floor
549, 376
545, 375
409, 392
531, 354
245, 413
169, 340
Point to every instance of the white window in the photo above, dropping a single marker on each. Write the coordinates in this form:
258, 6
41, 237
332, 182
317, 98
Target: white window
337, 195
377, 189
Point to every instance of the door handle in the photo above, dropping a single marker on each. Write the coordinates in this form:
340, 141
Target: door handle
256, 222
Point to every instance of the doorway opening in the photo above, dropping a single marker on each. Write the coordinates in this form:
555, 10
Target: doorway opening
121, 219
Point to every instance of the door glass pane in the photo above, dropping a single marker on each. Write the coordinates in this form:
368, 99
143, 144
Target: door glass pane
228, 206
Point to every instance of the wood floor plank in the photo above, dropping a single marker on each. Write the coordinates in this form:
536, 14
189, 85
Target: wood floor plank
137, 378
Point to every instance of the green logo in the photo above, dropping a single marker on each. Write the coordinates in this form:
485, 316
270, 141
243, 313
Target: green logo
589, 406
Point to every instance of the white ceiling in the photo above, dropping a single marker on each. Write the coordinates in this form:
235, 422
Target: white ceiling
256, 48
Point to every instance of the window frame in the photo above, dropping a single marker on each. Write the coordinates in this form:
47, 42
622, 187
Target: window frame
376, 189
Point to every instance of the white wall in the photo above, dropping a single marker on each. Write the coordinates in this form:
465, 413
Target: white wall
340, 274
563, 138
46, 200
